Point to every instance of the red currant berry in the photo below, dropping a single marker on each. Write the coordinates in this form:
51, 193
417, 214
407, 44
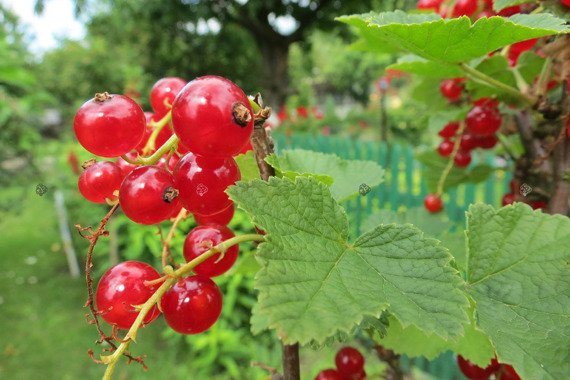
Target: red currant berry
483, 120
109, 125
223, 217
200, 240
358, 376
247, 147
348, 361
99, 181
172, 162
125, 166
486, 102
429, 5
121, 289
518, 48
464, 8
147, 195
509, 11
192, 305
202, 182
507, 372
468, 142
445, 148
514, 185
212, 117
486, 142
449, 130
508, 199
164, 92
472, 371
565, 2
538, 205
329, 374
452, 89
433, 203
462, 159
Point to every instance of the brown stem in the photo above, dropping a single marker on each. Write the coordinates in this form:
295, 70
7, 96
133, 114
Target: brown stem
559, 203
291, 369
263, 146
394, 371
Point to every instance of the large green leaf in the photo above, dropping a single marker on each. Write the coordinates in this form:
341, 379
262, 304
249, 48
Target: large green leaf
343, 176
474, 345
519, 276
314, 282
434, 165
421, 66
455, 40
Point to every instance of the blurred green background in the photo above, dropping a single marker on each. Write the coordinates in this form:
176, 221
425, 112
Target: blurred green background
306, 69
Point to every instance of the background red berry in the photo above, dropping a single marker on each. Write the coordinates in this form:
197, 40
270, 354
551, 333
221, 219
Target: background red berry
472, 371
349, 361
483, 120
452, 88
99, 181
223, 217
433, 203
329, 374
165, 91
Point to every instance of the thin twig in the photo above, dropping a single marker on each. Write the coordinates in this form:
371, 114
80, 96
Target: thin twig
394, 371
166, 243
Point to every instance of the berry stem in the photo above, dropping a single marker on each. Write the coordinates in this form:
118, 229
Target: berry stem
542, 83
165, 252
156, 156
158, 126
476, 74
111, 360
449, 166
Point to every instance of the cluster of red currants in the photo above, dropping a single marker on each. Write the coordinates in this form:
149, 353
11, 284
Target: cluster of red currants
349, 366
179, 157
482, 123
513, 196
500, 370
474, 8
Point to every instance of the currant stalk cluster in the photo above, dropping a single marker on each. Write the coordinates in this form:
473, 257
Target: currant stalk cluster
181, 156
484, 120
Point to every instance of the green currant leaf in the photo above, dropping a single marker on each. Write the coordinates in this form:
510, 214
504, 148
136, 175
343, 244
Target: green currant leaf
454, 40
519, 276
497, 68
502, 4
314, 283
247, 166
434, 165
343, 176
474, 345
530, 65
421, 66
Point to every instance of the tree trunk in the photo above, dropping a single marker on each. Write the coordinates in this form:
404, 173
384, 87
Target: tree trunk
275, 75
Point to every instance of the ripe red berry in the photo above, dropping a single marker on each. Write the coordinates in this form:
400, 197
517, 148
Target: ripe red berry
449, 130
483, 120
507, 372
109, 125
429, 5
472, 371
538, 205
121, 289
202, 182
508, 199
212, 117
99, 181
147, 195
516, 49
349, 361
223, 217
200, 240
125, 166
452, 88
329, 374
192, 305
509, 11
565, 2
486, 142
462, 159
164, 92
464, 8
468, 142
445, 148
433, 203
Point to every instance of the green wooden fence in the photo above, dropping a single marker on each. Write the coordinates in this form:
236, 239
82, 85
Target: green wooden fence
404, 187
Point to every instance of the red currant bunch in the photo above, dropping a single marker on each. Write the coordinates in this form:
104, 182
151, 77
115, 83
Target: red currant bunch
474, 372
349, 366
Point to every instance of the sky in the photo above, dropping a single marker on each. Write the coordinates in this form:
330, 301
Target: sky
56, 21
